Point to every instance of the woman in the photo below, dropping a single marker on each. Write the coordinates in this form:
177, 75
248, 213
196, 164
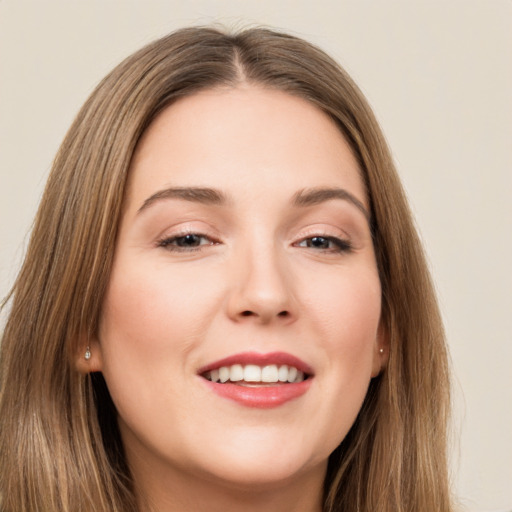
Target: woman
224, 304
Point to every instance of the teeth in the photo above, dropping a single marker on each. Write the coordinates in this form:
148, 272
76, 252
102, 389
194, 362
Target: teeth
236, 373
292, 373
282, 374
269, 374
224, 374
253, 373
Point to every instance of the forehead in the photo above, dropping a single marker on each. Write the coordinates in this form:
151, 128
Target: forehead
245, 139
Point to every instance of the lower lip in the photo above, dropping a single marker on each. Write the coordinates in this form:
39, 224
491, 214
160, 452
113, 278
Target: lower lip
264, 397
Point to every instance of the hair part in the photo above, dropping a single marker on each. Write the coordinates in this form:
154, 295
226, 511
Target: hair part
60, 448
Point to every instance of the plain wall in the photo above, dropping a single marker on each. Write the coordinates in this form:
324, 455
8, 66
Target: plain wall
439, 76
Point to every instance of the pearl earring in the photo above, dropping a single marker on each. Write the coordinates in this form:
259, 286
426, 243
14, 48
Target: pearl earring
381, 351
87, 354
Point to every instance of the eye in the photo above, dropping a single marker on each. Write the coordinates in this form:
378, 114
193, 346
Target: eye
325, 243
186, 242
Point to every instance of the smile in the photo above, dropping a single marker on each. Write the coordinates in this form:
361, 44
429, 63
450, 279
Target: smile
258, 380
252, 374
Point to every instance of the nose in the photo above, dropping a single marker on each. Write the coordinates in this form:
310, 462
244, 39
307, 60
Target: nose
262, 288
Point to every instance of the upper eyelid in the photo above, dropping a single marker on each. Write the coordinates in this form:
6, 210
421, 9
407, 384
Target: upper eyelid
169, 243
347, 236
188, 228
183, 234
328, 232
309, 231
344, 244
340, 240
293, 229
323, 235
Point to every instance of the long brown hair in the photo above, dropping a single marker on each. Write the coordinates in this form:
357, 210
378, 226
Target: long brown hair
59, 444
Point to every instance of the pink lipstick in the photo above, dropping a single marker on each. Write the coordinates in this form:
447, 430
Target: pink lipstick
258, 380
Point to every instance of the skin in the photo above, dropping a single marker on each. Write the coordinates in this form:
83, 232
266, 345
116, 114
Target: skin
257, 281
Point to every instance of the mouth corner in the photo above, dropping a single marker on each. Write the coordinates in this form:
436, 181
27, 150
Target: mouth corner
262, 387
257, 369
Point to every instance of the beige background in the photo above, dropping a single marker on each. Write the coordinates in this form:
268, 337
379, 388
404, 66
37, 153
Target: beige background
439, 76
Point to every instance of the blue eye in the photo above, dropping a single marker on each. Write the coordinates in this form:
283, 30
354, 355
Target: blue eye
325, 243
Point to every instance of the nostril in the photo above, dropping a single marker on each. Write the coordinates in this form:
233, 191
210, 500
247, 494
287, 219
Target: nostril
248, 312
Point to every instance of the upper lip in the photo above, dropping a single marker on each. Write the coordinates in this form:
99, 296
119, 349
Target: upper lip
259, 359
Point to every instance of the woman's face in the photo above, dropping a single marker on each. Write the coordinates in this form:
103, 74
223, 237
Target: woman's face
244, 252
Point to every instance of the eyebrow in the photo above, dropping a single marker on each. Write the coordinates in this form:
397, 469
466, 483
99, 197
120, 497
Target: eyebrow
314, 196
211, 196
202, 195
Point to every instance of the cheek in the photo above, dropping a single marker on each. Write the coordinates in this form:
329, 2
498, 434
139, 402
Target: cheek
353, 334
154, 308
150, 324
347, 315
346, 307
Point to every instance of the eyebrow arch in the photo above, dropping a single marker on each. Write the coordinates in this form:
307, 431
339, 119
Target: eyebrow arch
314, 196
202, 195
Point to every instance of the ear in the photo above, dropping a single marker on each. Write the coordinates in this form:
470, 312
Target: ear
89, 356
381, 350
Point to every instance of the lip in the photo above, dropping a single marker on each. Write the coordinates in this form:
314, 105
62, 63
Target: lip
260, 360
261, 397
264, 397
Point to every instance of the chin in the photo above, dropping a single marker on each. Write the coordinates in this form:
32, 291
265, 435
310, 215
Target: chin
249, 463
260, 475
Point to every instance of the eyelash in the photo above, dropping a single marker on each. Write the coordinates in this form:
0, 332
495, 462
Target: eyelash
170, 244
338, 245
